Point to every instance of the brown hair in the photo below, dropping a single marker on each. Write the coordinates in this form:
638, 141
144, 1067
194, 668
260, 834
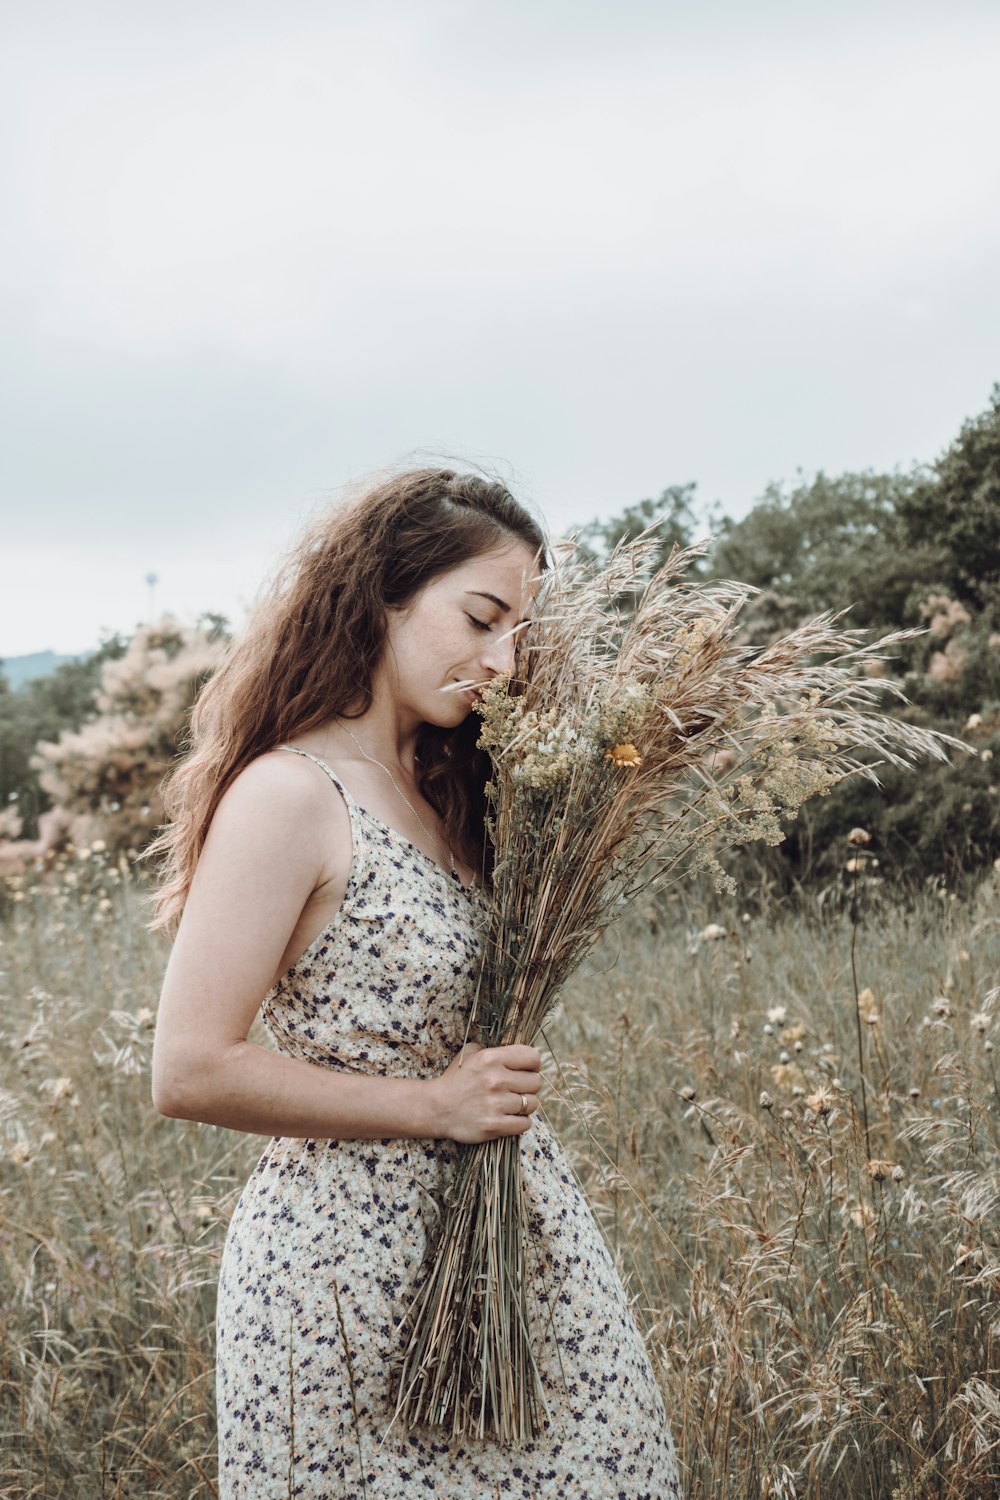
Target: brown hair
312, 645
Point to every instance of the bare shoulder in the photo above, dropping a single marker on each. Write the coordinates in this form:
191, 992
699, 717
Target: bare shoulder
277, 776
282, 799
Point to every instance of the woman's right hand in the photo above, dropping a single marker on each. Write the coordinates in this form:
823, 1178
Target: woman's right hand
478, 1096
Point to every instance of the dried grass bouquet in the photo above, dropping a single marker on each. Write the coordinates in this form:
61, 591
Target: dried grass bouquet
634, 741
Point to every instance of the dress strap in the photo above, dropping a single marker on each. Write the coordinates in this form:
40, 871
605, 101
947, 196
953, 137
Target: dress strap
357, 826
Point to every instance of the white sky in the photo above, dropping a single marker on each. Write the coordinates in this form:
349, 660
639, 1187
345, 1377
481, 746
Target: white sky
253, 250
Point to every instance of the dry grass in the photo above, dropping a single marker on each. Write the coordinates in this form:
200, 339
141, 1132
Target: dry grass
818, 1331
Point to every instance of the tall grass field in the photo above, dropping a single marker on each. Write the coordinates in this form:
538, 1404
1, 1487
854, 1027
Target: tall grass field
786, 1122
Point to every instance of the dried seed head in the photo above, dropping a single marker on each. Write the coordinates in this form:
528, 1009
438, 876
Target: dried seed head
821, 1101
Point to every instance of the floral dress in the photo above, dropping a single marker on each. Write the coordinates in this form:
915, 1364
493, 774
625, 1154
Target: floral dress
326, 1245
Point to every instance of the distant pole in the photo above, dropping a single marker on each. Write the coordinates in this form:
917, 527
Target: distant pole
152, 579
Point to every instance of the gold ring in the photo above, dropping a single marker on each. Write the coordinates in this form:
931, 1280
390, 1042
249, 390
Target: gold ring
524, 1104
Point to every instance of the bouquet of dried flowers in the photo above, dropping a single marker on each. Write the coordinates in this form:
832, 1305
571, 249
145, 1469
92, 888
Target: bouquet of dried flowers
635, 740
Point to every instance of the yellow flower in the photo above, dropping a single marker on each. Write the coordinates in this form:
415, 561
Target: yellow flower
624, 755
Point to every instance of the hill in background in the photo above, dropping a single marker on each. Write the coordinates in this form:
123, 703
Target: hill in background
21, 669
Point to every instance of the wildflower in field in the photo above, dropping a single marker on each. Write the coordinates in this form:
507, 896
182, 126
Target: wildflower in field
866, 999
787, 1075
986, 754
942, 1006
872, 1018
794, 1033
765, 1101
712, 933
776, 1015
688, 1092
60, 1088
855, 866
973, 721
858, 836
980, 1021
879, 1170
145, 1016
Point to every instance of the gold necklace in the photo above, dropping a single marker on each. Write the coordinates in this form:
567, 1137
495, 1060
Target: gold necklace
405, 798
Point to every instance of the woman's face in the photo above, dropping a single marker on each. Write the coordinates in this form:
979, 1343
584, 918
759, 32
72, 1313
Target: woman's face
458, 628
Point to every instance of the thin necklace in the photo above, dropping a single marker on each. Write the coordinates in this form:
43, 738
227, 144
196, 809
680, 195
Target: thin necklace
405, 798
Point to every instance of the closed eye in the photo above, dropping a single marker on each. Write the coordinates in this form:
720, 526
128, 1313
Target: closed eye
479, 624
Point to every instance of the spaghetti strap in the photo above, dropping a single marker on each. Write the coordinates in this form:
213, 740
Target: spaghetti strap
332, 774
353, 808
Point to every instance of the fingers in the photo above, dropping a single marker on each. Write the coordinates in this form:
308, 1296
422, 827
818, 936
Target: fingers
529, 1083
519, 1056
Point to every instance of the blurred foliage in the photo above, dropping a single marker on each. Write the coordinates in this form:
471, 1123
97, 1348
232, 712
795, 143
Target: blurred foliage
677, 518
90, 744
954, 511
834, 543
41, 710
106, 775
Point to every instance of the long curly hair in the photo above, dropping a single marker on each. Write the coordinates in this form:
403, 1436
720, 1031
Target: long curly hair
313, 643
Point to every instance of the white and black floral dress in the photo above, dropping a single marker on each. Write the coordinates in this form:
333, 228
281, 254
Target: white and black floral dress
325, 1247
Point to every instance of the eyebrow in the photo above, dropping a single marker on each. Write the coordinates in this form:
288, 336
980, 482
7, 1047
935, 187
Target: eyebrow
494, 600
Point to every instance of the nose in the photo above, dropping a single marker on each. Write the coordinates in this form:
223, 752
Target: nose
499, 654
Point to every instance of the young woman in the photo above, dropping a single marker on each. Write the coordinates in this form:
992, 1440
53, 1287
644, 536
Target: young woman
327, 859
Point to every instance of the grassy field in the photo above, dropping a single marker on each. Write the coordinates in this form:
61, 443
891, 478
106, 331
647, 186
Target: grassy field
823, 1311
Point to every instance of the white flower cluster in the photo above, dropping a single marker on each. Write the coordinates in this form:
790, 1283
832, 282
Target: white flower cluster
620, 711
547, 761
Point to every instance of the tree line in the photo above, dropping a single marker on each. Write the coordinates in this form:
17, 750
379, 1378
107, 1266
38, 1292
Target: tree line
83, 749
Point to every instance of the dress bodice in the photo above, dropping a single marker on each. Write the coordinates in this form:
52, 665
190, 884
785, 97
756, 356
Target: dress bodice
386, 987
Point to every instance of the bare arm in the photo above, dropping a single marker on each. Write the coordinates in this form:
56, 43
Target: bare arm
266, 855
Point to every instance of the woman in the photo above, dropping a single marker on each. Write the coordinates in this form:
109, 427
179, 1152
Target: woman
329, 856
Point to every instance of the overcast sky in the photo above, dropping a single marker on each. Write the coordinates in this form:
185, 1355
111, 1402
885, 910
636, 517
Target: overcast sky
253, 250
